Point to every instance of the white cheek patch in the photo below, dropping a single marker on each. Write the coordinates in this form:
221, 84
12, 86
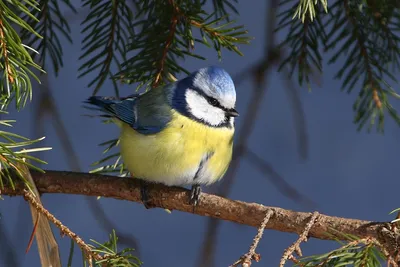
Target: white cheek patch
201, 109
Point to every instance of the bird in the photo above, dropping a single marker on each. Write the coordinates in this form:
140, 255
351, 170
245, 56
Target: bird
180, 134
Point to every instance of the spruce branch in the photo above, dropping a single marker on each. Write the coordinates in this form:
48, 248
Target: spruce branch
364, 34
16, 62
306, 9
381, 241
221, 35
51, 26
108, 28
46, 243
166, 35
295, 247
64, 230
14, 150
381, 237
369, 48
112, 161
359, 252
116, 167
304, 40
168, 42
361, 39
223, 7
106, 253
111, 255
246, 259
218, 34
176, 198
7, 67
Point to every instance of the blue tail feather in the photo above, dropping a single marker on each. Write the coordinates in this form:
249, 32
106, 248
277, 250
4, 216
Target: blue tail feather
124, 109
121, 109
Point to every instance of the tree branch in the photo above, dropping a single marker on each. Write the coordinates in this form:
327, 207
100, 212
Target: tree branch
5, 52
176, 198
365, 55
170, 39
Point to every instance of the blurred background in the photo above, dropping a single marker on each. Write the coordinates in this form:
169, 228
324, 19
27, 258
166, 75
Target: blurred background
306, 138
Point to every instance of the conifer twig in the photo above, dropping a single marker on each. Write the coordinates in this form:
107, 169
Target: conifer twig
366, 56
256, 257
171, 35
64, 229
5, 53
46, 242
349, 248
258, 237
246, 259
303, 238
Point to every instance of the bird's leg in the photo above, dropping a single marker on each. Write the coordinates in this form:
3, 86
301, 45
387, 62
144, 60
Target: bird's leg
195, 195
144, 192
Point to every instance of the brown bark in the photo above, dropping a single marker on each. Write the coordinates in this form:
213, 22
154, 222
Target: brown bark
175, 198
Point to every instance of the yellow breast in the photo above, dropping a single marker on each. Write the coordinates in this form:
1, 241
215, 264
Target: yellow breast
173, 155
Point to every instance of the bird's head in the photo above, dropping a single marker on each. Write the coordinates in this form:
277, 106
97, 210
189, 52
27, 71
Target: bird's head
207, 95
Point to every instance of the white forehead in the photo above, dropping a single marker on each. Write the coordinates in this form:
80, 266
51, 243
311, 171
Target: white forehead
216, 83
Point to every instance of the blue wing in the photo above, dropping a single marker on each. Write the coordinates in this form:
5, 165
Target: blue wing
121, 109
143, 115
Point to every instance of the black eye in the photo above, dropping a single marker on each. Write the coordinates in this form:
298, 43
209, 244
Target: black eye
213, 102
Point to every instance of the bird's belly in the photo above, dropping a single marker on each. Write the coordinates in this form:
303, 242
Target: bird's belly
173, 156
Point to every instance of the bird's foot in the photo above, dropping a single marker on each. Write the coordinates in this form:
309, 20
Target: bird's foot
144, 192
195, 195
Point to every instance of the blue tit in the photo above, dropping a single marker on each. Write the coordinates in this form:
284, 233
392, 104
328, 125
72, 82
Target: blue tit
179, 134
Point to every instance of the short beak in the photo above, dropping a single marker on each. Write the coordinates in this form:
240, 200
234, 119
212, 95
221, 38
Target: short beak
232, 113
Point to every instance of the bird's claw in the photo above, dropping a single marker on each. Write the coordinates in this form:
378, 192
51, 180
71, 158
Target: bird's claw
195, 195
144, 192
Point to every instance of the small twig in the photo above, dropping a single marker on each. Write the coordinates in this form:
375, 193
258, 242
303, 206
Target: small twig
391, 262
35, 225
294, 259
3, 45
303, 238
367, 241
365, 55
252, 255
168, 43
64, 229
256, 257
46, 242
257, 239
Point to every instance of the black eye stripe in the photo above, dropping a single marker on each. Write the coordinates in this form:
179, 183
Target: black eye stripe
211, 100
214, 102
